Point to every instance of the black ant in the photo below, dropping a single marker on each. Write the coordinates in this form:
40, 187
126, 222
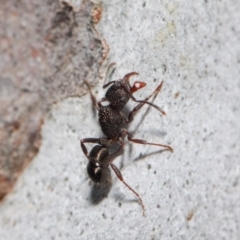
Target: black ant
111, 120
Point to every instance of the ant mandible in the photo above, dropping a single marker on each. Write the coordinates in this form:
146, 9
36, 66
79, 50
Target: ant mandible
111, 120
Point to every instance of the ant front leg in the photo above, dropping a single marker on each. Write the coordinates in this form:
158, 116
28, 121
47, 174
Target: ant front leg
145, 101
141, 141
120, 177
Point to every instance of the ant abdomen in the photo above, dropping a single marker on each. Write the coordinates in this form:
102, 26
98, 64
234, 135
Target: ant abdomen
98, 174
98, 166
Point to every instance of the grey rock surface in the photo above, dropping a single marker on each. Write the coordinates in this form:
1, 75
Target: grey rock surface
46, 51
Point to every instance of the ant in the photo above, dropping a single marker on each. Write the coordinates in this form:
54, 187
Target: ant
112, 120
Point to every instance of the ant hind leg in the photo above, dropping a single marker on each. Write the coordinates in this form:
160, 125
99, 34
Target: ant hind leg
120, 177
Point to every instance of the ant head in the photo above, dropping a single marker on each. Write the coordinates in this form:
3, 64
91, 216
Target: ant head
120, 92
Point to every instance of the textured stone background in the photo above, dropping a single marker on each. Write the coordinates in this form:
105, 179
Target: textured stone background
46, 51
193, 193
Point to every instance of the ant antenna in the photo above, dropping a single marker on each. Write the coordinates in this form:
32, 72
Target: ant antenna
110, 70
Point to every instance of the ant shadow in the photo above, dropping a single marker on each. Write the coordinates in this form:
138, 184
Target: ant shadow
130, 149
99, 192
144, 156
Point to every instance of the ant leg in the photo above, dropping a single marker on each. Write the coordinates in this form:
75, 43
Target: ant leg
120, 177
140, 141
145, 101
94, 100
87, 140
101, 141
